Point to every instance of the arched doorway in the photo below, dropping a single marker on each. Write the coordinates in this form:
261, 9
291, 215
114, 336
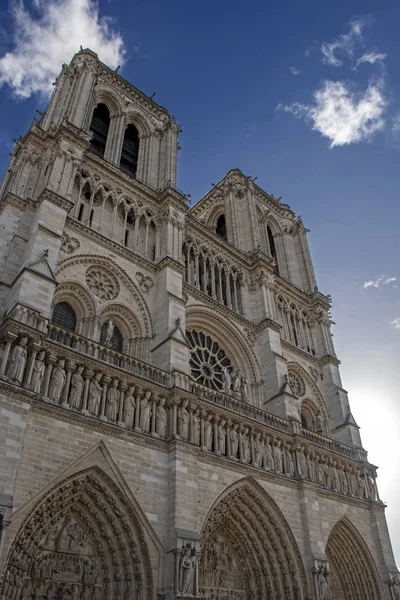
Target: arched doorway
353, 574
248, 549
81, 541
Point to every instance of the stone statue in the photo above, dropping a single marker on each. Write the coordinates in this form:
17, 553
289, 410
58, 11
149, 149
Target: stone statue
109, 332
183, 420
161, 418
208, 433
322, 583
360, 485
196, 428
235, 382
327, 475
113, 396
187, 568
318, 423
226, 380
129, 407
303, 463
258, 446
244, 389
18, 362
335, 477
278, 457
289, 462
77, 385
221, 437
57, 381
396, 588
95, 391
38, 373
319, 472
269, 459
234, 441
345, 483
246, 454
145, 412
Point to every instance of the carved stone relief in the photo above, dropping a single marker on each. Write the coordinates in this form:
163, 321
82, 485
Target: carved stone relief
102, 283
220, 572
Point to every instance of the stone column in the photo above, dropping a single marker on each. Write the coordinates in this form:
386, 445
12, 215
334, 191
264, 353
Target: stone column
88, 376
106, 381
10, 338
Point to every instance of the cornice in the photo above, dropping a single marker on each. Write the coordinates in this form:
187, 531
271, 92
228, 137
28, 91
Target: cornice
18, 202
301, 353
100, 239
220, 245
51, 196
168, 261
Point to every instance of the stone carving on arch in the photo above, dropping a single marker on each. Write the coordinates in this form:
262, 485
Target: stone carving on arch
353, 570
81, 539
135, 116
80, 299
311, 389
227, 336
248, 548
143, 315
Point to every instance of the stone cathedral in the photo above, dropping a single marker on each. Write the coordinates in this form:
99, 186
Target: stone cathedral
173, 422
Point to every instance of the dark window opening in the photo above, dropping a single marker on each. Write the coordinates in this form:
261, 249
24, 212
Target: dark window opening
304, 422
130, 151
91, 218
80, 215
99, 126
272, 247
116, 342
294, 330
64, 316
221, 227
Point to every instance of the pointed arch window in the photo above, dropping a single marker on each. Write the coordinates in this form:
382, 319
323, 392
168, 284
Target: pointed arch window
64, 316
130, 151
99, 126
221, 227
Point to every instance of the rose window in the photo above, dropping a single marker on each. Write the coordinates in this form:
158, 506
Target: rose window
296, 384
102, 283
207, 360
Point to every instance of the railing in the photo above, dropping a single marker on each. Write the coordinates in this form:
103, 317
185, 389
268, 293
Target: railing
221, 399
333, 445
108, 355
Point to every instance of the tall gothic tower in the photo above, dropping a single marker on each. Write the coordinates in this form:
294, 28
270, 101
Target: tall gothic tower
173, 423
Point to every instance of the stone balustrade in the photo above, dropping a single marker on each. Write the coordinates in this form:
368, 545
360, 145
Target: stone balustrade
212, 422
106, 354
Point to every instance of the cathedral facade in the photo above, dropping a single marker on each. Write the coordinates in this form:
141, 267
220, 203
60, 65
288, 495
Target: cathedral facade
173, 422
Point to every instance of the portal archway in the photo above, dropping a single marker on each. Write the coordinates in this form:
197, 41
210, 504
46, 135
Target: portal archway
82, 540
248, 549
354, 575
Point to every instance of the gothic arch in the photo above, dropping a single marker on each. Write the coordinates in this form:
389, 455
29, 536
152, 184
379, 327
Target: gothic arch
80, 300
353, 571
82, 535
315, 396
124, 318
105, 95
134, 116
228, 337
122, 276
261, 558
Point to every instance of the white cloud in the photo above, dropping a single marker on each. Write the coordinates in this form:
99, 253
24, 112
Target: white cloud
342, 115
371, 58
395, 323
379, 281
43, 43
344, 45
294, 71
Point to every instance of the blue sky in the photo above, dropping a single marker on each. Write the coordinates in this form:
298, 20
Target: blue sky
305, 96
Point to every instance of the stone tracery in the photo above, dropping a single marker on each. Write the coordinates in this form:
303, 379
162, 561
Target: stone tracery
207, 360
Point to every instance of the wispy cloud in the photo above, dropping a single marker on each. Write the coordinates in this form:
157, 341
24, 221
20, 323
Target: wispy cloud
379, 281
341, 114
371, 58
344, 45
294, 71
45, 39
395, 323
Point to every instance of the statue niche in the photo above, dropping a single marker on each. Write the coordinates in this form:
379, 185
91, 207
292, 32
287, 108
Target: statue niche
65, 566
219, 571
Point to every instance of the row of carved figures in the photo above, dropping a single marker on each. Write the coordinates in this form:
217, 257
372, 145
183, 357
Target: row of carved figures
76, 387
